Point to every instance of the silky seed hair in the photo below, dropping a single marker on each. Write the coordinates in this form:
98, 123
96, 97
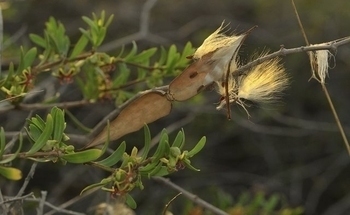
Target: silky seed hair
223, 45
264, 83
223, 48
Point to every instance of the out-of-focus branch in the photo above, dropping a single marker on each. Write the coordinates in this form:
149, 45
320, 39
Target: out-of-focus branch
191, 196
143, 32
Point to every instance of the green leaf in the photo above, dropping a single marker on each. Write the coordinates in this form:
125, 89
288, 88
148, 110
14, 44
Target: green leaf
164, 141
124, 73
144, 55
14, 155
59, 123
109, 21
172, 54
83, 156
100, 184
147, 146
197, 148
10, 74
85, 33
179, 139
187, 51
162, 171
163, 56
33, 133
38, 122
44, 137
100, 36
132, 52
29, 57
270, 205
130, 201
155, 170
11, 173
115, 157
148, 168
80, 46
2, 141
90, 22
187, 163
40, 41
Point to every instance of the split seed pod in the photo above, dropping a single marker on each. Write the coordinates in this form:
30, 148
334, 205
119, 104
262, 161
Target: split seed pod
143, 110
210, 64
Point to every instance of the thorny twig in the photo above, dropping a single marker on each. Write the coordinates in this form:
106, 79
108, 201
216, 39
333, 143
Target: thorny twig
191, 196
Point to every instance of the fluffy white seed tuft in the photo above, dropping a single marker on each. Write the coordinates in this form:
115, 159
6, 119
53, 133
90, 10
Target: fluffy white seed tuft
264, 82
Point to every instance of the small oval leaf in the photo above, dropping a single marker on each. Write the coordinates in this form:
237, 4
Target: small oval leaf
83, 156
44, 137
11, 173
130, 201
38, 40
147, 146
80, 46
198, 147
115, 157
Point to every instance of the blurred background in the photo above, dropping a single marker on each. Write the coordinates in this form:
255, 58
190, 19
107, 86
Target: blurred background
292, 149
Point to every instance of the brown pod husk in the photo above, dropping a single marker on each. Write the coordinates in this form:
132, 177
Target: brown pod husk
143, 110
190, 81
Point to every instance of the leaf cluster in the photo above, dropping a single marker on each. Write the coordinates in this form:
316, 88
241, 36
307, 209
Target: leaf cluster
97, 74
132, 168
49, 143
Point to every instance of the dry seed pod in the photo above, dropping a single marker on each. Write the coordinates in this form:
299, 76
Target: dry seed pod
210, 64
190, 81
143, 110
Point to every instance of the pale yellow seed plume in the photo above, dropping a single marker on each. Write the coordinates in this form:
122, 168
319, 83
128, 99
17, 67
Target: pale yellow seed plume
264, 82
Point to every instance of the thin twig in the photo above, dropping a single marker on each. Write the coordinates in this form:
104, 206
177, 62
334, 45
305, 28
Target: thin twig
336, 117
2, 205
332, 45
42, 203
26, 181
17, 198
14, 138
72, 201
40, 106
168, 204
191, 196
300, 23
141, 34
55, 208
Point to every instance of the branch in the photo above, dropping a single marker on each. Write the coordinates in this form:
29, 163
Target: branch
332, 45
142, 33
17, 198
40, 106
191, 196
26, 181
